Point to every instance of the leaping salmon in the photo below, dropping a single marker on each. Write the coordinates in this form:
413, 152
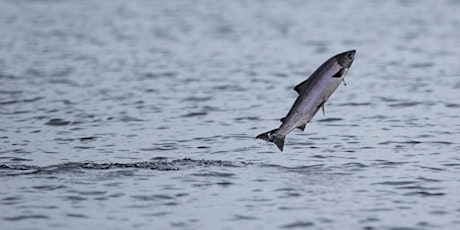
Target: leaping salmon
313, 94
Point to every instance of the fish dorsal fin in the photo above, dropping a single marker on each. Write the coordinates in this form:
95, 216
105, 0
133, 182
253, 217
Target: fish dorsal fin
302, 127
300, 86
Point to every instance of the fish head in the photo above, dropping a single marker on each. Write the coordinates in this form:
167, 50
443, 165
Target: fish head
346, 58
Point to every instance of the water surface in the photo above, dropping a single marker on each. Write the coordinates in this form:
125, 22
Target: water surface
142, 114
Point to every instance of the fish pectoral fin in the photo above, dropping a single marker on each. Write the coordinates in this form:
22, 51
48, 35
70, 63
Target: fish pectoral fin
322, 106
340, 73
302, 127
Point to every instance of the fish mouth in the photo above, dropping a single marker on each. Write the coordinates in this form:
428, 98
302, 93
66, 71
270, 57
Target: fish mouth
351, 53
346, 58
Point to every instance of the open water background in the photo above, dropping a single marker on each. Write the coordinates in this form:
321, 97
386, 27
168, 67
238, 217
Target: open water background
142, 115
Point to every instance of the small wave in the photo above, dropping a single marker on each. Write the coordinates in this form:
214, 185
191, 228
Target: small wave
421, 65
396, 183
424, 193
229, 88
385, 163
299, 224
197, 99
355, 165
410, 142
428, 179
7, 76
76, 215
153, 197
126, 118
214, 174
58, 122
452, 105
247, 118
195, 114
21, 101
23, 217
329, 119
420, 188
159, 75
242, 217
440, 142
356, 104
430, 168
49, 187
294, 168
406, 104
454, 165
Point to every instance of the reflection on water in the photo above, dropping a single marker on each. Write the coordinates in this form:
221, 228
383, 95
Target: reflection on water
131, 113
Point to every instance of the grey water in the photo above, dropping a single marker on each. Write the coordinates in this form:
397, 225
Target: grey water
143, 115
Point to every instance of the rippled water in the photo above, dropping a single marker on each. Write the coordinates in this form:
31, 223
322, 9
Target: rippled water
142, 115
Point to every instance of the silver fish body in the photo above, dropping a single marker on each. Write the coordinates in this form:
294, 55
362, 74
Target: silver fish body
313, 94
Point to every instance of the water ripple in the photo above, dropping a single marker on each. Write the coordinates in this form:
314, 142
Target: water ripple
161, 165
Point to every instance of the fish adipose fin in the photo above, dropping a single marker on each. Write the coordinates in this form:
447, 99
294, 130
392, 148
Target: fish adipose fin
271, 136
282, 119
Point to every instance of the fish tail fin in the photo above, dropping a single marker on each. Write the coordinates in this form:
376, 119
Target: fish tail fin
271, 136
279, 141
266, 136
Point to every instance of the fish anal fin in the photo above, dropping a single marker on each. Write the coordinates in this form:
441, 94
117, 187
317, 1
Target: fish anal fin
322, 106
302, 127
